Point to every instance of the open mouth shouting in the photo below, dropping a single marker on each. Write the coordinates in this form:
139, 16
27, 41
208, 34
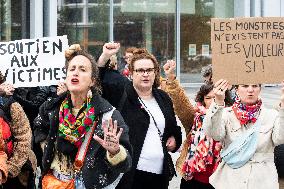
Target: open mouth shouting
74, 81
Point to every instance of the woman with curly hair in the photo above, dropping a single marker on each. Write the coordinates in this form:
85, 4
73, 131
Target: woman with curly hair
200, 154
149, 113
84, 139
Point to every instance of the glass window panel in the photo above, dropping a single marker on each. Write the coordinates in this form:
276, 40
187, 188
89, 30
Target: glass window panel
93, 1
73, 1
74, 14
148, 23
14, 20
98, 13
93, 32
195, 34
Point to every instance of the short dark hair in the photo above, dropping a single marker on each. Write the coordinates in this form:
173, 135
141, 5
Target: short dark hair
203, 91
206, 70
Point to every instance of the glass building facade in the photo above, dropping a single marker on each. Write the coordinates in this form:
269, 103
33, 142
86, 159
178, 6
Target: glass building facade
170, 29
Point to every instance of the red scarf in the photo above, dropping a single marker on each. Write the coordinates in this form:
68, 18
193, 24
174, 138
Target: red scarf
246, 113
202, 151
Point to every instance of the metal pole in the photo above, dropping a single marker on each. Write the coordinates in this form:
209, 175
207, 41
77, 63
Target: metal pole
110, 20
178, 39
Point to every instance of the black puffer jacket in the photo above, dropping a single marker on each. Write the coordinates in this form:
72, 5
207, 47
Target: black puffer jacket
97, 172
31, 98
279, 159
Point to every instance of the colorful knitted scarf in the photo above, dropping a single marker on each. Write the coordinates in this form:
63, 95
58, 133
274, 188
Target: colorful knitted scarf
73, 128
202, 150
246, 113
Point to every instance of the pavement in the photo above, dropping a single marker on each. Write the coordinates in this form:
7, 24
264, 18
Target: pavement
270, 95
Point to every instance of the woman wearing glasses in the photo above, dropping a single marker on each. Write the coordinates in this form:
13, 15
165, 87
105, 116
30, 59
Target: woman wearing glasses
148, 111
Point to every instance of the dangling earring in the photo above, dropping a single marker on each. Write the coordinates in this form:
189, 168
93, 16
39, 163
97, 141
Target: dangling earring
90, 94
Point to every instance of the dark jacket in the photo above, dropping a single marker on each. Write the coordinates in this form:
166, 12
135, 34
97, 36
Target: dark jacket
113, 84
138, 120
95, 169
30, 98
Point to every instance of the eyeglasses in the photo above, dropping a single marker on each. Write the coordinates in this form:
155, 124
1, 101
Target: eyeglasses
141, 71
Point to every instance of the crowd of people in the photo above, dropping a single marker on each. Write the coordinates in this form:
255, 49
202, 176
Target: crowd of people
114, 126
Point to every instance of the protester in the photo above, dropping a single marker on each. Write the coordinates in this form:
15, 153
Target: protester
3, 159
148, 111
17, 136
65, 127
200, 154
206, 73
182, 105
248, 132
128, 53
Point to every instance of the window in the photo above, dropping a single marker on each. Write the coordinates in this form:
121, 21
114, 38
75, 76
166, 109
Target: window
73, 1
85, 24
195, 34
14, 20
148, 23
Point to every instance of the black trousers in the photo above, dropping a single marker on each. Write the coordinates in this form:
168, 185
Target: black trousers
13, 183
146, 180
194, 184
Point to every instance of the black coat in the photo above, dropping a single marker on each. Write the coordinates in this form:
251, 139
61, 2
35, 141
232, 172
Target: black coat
30, 98
94, 170
138, 120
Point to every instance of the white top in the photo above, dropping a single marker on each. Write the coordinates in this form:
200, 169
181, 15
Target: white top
152, 156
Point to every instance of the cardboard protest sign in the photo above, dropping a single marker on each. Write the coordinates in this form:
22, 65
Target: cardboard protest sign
34, 62
248, 50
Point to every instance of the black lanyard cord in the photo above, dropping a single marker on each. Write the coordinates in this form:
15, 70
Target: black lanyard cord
155, 123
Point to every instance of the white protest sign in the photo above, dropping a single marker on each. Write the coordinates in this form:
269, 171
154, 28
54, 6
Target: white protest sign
34, 62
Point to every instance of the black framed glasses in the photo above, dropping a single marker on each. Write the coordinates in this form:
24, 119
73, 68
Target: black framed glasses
141, 71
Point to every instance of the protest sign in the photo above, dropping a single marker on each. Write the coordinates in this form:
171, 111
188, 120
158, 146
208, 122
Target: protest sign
34, 62
248, 50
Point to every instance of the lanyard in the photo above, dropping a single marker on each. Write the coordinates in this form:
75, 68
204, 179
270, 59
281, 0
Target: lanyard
155, 123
